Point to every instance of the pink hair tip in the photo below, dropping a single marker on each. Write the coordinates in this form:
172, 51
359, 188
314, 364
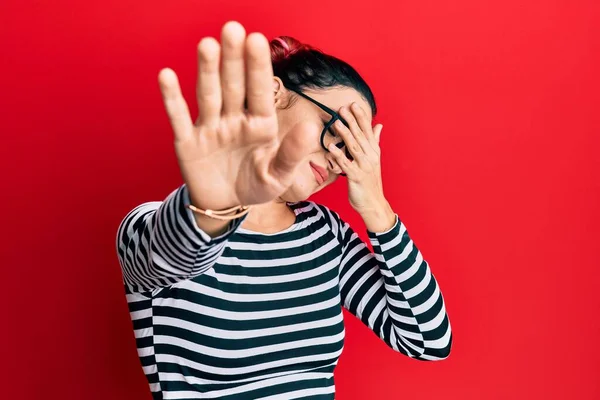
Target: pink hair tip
283, 43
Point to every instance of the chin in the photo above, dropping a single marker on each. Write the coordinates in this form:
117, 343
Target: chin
301, 190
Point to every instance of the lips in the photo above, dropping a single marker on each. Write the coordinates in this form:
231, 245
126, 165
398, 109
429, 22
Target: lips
321, 174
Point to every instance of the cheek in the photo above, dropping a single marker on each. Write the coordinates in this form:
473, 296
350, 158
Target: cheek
309, 131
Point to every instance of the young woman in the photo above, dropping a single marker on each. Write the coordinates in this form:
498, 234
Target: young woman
235, 282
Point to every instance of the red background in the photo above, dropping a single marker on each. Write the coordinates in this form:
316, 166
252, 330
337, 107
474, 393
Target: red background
490, 156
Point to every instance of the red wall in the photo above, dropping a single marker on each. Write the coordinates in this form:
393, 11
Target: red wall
490, 156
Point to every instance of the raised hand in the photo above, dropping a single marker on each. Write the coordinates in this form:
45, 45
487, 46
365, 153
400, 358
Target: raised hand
231, 155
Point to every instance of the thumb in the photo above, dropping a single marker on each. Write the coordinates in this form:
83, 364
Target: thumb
289, 155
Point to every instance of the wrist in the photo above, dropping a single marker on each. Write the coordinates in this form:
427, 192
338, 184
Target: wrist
380, 218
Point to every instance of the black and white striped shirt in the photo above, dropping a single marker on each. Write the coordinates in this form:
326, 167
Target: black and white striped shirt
248, 315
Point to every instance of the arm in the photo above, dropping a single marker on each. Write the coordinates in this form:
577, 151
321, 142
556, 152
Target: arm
393, 291
160, 243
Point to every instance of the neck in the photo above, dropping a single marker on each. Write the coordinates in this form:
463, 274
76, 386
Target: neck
267, 215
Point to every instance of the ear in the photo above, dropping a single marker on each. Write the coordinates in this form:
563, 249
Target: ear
278, 90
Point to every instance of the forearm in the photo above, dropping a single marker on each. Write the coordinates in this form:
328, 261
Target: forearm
391, 288
414, 301
213, 227
159, 243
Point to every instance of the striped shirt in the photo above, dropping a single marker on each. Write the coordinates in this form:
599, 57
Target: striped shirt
248, 315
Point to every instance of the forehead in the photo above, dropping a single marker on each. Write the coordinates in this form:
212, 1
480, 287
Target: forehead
335, 98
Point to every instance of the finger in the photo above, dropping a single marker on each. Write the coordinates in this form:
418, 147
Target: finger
290, 154
357, 132
348, 115
175, 104
354, 148
362, 119
344, 163
208, 85
259, 76
377, 132
233, 38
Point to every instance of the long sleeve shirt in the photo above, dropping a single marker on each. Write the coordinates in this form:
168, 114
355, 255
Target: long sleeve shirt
248, 315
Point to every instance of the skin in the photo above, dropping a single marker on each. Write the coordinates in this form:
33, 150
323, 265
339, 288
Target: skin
307, 120
268, 144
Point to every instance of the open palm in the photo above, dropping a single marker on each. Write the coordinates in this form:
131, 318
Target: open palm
231, 155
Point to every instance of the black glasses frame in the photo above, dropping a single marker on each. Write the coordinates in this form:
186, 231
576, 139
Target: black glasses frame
334, 117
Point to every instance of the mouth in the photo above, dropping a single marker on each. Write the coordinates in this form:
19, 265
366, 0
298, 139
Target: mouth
321, 174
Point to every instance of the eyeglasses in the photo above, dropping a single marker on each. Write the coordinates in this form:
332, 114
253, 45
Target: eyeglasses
328, 126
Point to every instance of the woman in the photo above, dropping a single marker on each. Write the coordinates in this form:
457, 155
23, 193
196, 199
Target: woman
235, 282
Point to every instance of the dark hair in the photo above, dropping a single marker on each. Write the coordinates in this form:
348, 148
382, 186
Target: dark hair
301, 66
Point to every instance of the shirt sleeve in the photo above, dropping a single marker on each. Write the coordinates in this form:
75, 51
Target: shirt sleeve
159, 244
393, 291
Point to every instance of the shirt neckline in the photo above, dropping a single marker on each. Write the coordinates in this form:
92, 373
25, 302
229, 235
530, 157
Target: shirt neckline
290, 228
